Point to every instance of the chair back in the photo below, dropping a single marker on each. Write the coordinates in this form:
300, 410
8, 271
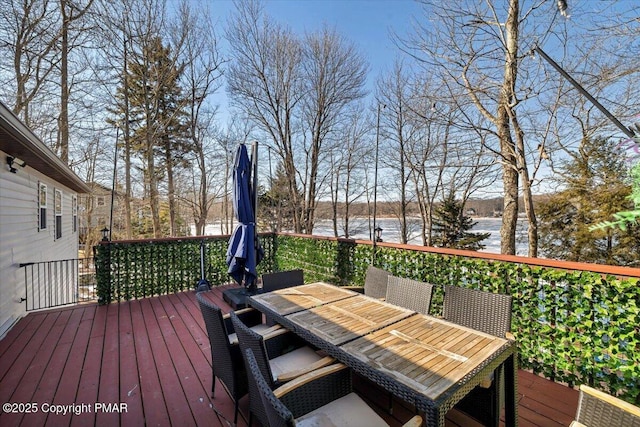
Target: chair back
281, 280
375, 282
250, 340
410, 294
277, 415
226, 359
599, 409
485, 311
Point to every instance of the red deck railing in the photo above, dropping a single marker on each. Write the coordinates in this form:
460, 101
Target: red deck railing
575, 323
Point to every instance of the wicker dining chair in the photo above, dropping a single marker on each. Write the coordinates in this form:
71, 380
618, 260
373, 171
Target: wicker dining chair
281, 280
375, 283
490, 313
281, 355
599, 409
321, 397
226, 361
410, 294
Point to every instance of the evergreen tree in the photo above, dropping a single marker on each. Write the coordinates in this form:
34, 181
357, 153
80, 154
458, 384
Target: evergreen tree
157, 115
451, 227
595, 187
276, 208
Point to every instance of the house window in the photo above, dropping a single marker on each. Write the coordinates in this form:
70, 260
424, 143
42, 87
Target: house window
57, 201
100, 200
42, 206
74, 213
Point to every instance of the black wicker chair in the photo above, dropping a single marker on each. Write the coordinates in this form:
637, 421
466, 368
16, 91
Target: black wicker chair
281, 280
321, 397
282, 356
410, 294
490, 313
599, 409
226, 361
375, 283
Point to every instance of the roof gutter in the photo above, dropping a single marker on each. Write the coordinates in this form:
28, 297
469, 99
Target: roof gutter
17, 140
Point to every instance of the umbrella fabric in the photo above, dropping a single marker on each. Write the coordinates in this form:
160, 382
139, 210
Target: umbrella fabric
243, 253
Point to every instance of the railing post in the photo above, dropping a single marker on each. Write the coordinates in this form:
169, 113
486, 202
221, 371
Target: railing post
102, 257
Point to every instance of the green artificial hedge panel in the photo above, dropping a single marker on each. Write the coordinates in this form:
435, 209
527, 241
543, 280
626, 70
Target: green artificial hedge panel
574, 327
131, 270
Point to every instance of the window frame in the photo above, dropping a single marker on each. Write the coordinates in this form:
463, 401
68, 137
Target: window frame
42, 205
74, 213
57, 213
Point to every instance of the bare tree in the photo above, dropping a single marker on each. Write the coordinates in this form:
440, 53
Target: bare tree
348, 183
484, 47
427, 155
121, 28
479, 46
195, 33
333, 75
397, 133
70, 12
29, 38
264, 82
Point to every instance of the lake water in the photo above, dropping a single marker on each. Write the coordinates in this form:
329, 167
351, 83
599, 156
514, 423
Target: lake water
391, 231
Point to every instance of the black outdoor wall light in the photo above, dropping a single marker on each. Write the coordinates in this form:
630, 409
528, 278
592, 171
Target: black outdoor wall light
105, 234
378, 231
14, 161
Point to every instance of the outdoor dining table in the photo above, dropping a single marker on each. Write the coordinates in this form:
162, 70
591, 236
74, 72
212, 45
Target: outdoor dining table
343, 320
424, 360
290, 300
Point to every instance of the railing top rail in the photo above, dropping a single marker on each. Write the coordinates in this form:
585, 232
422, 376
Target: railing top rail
29, 263
177, 239
538, 262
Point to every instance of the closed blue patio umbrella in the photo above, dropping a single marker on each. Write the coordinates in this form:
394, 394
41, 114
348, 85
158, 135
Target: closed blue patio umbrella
244, 252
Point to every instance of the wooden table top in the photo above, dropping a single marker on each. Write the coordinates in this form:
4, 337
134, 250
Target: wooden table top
425, 353
341, 321
290, 300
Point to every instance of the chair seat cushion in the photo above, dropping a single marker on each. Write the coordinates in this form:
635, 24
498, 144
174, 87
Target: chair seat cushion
233, 338
348, 411
294, 360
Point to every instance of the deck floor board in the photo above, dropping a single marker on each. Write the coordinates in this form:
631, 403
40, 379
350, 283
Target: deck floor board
153, 354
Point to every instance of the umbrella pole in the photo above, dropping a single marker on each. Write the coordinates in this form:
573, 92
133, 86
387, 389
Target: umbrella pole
203, 283
254, 178
254, 173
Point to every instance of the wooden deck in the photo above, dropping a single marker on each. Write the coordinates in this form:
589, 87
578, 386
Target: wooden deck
152, 356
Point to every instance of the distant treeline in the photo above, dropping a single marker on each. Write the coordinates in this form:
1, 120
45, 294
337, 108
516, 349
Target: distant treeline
474, 207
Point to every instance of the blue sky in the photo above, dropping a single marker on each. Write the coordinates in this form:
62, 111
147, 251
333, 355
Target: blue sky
366, 23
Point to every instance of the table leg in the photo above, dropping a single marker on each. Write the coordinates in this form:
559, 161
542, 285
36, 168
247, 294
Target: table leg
510, 391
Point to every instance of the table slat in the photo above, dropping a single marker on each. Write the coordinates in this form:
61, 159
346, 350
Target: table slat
425, 353
298, 298
350, 318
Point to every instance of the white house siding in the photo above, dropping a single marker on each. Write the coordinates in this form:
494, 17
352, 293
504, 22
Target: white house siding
22, 242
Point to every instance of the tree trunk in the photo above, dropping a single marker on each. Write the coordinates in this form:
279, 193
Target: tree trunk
201, 220
510, 187
127, 148
532, 227
63, 122
309, 217
154, 199
334, 198
507, 147
171, 193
